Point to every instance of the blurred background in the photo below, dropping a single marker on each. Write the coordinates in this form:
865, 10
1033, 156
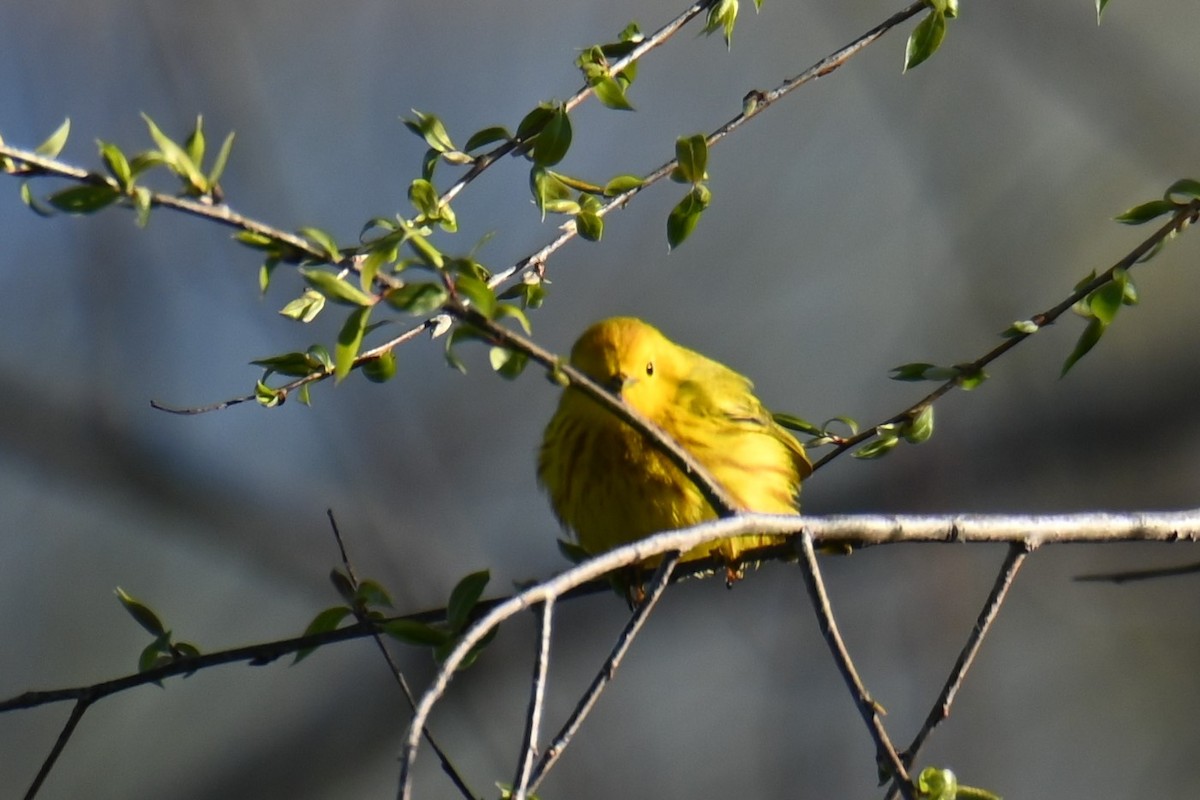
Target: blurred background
870, 219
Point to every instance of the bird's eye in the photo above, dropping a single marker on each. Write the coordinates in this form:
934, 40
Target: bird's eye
649, 367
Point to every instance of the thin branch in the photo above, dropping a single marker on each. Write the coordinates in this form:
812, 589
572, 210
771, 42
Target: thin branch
941, 708
1140, 574
81, 706
537, 260
658, 584
360, 614
37, 165
1185, 216
654, 40
537, 699
885, 752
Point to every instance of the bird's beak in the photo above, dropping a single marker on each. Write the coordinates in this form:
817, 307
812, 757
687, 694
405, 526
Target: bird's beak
619, 383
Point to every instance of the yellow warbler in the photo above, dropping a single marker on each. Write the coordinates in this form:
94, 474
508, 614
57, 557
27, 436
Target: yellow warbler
611, 486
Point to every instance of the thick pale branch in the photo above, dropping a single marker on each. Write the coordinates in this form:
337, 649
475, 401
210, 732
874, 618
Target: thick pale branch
1029, 531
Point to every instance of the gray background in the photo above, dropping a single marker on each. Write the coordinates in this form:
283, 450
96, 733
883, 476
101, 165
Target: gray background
871, 219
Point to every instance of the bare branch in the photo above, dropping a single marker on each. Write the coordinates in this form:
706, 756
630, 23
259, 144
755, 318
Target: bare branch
537, 698
658, 584
885, 752
361, 615
81, 706
991, 607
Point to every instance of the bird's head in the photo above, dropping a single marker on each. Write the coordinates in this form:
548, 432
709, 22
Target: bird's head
629, 358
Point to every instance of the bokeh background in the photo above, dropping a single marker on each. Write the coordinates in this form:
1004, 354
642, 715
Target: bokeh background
871, 219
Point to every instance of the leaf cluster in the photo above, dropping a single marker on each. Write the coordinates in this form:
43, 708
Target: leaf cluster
369, 601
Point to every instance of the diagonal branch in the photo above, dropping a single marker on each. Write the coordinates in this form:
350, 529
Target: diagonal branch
81, 707
536, 261
941, 708
537, 699
658, 584
361, 615
1184, 216
888, 760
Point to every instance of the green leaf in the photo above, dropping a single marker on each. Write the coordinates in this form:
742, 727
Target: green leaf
1100, 4
611, 93
267, 397
84, 199
534, 121
324, 242
920, 371
683, 218
423, 197
878, 448
920, 428
294, 364
142, 201
487, 136
937, 784
155, 654
327, 620
141, 613
1022, 327
372, 594
463, 598
970, 378
413, 632
349, 341
507, 363
380, 369
722, 16
554, 140
480, 295
194, 146
1106, 301
549, 190
1145, 212
589, 225
176, 158
1087, 340
622, 184
691, 155
925, 39
306, 307
56, 141
337, 289
116, 163
417, 298
514, 312
218, 167
1182, 191
794, 423
431, 129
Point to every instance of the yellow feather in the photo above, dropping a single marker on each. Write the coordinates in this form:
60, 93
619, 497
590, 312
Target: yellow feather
610, 486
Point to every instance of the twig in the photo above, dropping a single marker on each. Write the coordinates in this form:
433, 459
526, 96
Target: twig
537, 260
1140, 574
987, 615
81, 706
658, 584
885, 752
361, 615
537, 698
1179, 220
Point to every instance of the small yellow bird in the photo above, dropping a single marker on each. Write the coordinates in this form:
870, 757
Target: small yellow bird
611, 486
